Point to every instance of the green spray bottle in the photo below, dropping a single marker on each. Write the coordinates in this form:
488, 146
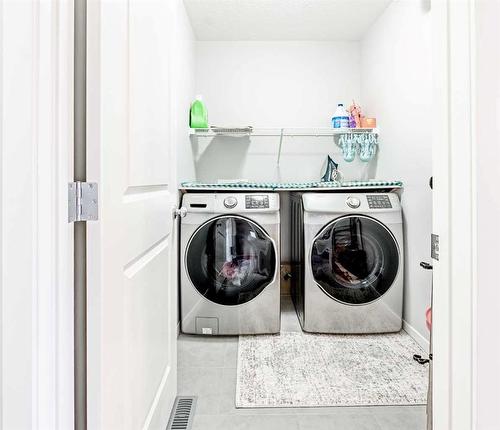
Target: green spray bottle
199, 114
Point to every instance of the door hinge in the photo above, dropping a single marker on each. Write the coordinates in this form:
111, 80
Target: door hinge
435, 246
83, 202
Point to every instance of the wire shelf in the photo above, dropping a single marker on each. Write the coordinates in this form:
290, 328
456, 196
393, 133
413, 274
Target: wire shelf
278, 132
337, 133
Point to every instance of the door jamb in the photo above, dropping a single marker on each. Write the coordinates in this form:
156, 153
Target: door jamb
36, 88
454, 217
53, 388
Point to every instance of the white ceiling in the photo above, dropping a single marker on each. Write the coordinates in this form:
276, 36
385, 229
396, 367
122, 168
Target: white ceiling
283, 19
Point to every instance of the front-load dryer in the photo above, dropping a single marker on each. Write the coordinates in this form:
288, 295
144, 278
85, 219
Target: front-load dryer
347, 259
229, 265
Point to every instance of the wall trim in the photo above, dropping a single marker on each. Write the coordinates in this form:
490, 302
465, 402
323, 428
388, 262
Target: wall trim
453, 215
36, 124
52, 170
416, 336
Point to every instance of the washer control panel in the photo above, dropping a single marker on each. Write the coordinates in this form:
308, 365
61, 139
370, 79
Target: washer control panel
230, 202
379, 201
256, 202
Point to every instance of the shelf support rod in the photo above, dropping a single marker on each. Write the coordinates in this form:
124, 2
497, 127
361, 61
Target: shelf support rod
279, 149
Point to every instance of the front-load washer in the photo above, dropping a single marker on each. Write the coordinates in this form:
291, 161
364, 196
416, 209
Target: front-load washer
347, 262
229, 265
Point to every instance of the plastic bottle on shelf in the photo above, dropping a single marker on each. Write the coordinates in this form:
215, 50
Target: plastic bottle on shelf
341, 117
199, 114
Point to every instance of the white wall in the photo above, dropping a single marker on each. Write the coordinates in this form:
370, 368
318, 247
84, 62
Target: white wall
183, 77
273, 84
396, 88
488, 213
17, 246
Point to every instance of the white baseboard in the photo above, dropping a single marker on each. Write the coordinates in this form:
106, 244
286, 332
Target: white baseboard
417, 337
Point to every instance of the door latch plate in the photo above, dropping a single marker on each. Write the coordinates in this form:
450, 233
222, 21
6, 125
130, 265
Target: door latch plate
435, 247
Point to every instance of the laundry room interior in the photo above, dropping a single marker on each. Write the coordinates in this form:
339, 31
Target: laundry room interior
265, 162
249, 214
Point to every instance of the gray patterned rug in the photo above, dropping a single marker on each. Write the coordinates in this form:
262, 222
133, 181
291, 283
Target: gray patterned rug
312, 370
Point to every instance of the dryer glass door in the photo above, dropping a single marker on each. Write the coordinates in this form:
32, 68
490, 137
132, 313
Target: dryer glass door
355, 259
230, 260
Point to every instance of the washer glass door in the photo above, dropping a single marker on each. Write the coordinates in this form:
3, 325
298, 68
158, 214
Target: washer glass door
355, 259
230, 260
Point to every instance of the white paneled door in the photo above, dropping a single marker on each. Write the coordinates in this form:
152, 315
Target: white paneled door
132, 289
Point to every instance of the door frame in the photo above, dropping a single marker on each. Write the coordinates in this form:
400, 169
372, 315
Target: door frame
36, 146
454, 215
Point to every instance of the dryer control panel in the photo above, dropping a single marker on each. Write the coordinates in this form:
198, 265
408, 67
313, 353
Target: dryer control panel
255, 201
379, 201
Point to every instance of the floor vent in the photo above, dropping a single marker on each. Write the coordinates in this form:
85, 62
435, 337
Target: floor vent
182, 413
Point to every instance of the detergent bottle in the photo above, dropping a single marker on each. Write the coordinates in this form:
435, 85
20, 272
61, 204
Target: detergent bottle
199, 114
341, 117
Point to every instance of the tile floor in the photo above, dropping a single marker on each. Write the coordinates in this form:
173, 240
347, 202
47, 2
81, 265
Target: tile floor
207, 369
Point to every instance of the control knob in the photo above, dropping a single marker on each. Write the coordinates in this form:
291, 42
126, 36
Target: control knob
230, 202
353, 202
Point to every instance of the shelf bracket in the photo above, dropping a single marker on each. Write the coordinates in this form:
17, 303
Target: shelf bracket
279, 149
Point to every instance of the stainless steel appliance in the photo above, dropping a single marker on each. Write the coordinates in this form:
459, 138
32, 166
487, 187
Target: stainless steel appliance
229, 268
347, 259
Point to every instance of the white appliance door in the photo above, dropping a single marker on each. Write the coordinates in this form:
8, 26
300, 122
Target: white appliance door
132, 285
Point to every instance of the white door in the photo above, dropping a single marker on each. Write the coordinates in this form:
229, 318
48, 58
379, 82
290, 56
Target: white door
131, 286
